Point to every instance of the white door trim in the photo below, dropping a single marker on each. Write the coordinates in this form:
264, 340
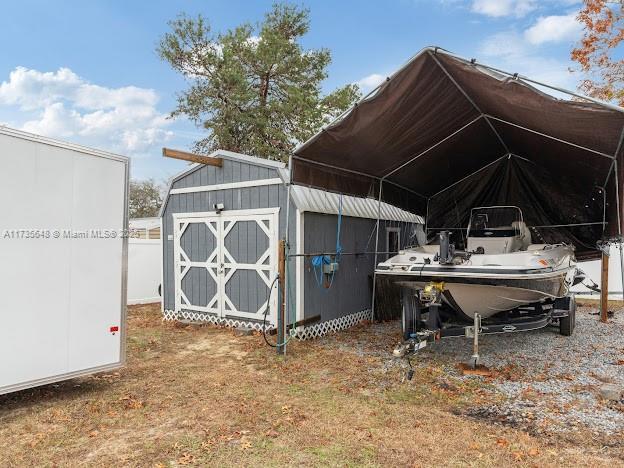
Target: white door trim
223, 262
299, 266
204, 214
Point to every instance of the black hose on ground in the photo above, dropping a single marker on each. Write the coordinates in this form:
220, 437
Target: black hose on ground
266, 340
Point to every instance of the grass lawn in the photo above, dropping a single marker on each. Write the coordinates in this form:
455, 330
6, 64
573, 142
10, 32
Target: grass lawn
199, 395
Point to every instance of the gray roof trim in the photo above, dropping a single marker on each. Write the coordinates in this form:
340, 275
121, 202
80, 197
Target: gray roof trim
246, 158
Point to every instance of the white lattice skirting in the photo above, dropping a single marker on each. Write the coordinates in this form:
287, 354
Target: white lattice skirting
302, 333
332, 326
210, 318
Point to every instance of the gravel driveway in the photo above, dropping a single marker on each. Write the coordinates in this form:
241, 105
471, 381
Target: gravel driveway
542, 381
552, 382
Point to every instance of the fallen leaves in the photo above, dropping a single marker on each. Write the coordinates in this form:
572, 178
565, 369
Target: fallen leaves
502, 442
130, 402
186, 459
481, 371
271, 433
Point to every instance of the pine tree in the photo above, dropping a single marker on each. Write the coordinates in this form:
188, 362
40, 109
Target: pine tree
255, 89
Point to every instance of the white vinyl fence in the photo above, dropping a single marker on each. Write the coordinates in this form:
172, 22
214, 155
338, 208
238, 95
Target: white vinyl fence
144, 261
592, 270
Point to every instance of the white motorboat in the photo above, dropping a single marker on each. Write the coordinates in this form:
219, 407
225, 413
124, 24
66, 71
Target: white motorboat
501, 269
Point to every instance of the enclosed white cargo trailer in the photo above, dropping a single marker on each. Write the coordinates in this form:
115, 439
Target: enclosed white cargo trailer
63, 257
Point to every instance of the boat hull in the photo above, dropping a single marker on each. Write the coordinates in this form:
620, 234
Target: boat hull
490, 296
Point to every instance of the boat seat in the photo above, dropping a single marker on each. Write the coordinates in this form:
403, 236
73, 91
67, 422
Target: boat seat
499, 245
525, 234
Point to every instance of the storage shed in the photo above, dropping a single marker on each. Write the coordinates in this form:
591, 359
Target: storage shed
221, 224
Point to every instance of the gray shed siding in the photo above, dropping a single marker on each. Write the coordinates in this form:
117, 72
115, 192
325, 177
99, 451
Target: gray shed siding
351, 290
198, 241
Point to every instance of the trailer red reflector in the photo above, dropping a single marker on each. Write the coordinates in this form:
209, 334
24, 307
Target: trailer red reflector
114, 329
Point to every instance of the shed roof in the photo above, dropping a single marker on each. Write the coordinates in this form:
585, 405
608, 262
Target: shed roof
322, 201
308, 199
446, 134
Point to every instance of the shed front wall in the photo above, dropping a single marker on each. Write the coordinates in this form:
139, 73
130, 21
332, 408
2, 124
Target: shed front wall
264, 196
351, 288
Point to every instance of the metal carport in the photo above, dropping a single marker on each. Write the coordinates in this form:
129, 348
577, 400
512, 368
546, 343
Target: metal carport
444, 134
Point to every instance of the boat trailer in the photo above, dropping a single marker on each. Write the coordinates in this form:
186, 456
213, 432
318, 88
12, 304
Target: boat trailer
425, 320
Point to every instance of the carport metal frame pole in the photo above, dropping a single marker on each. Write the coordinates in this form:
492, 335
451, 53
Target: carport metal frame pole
619, 219
376, 251
286, 280
614, 167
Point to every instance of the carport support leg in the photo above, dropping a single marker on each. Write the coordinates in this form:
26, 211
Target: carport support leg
604, 288
281, 326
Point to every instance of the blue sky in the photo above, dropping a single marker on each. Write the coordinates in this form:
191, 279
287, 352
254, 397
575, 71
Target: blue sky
87, 72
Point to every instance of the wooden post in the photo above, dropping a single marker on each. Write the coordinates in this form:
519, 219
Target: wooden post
604, 287
281, 325
196, 158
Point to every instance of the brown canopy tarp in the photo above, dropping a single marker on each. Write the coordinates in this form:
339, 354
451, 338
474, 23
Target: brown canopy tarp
446, 134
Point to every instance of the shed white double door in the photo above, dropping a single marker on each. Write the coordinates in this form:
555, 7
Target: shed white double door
225, 263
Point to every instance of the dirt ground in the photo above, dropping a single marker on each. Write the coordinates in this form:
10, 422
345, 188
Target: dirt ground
199, 395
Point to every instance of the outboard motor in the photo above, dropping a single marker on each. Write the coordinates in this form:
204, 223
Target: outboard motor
447, 250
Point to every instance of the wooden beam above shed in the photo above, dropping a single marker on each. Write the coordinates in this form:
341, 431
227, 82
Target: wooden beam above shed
196, 158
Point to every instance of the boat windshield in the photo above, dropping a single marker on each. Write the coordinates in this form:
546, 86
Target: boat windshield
497, 221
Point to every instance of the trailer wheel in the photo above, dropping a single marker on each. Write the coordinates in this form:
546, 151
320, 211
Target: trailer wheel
408, 314
567, 324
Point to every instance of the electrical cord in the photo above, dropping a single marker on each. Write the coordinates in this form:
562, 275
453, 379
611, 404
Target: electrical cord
266, 340
266, 312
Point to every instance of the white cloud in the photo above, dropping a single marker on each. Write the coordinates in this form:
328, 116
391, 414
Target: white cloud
554, 29
506, 44
61, 104
370, 82
512, 53
500, 8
